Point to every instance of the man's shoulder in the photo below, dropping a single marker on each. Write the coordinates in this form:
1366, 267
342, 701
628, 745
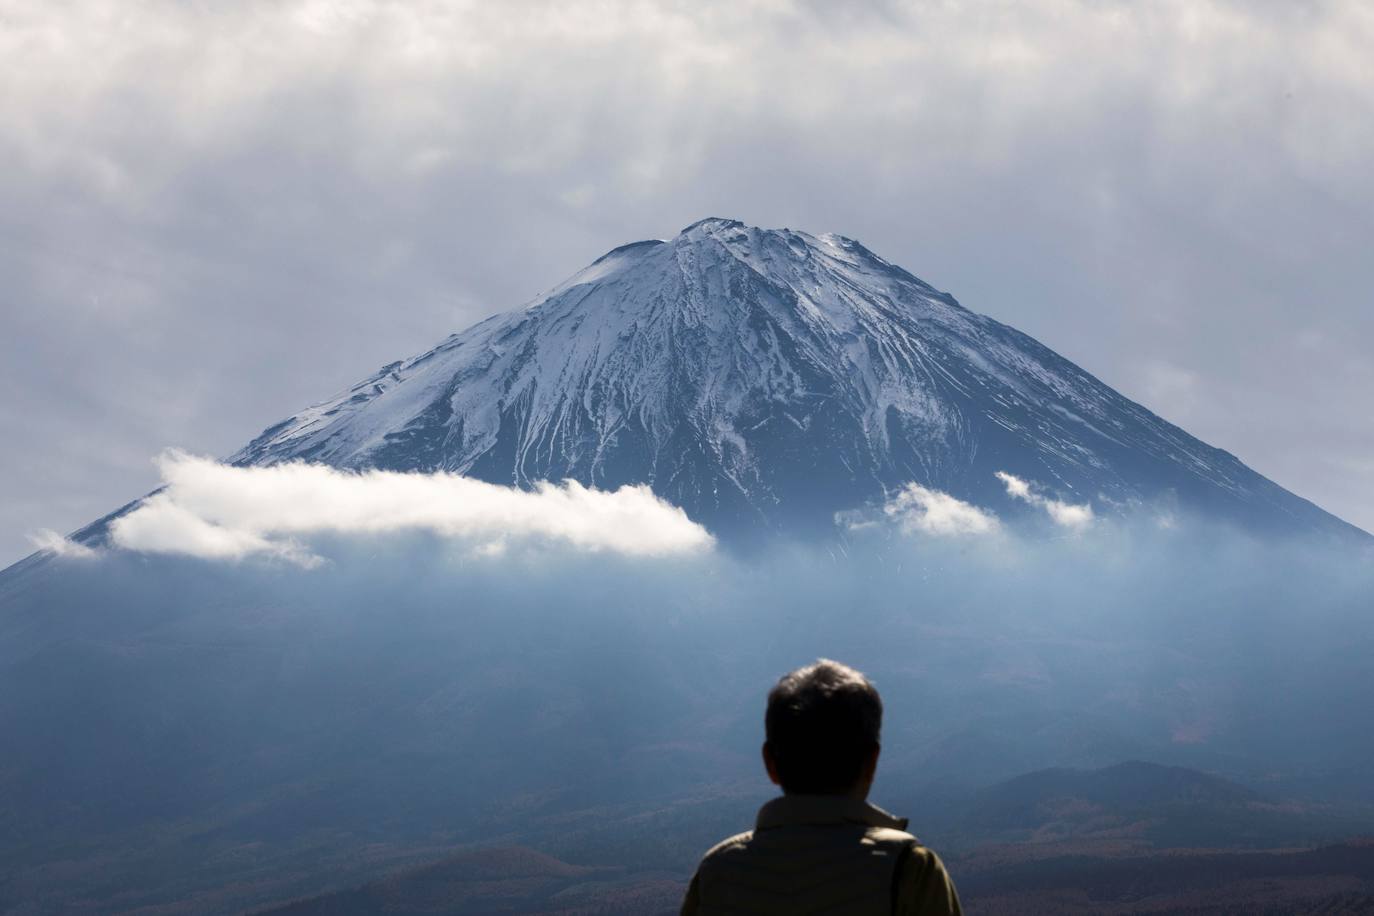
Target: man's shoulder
729, 844
924, 885
898, 841
891, 835
872, 834
921, 858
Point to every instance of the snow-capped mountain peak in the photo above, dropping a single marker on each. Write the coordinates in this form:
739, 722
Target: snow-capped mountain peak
767, 378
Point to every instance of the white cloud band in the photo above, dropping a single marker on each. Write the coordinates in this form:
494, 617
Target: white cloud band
51, 541
217, 511
1066, 515
919, 509
915, 509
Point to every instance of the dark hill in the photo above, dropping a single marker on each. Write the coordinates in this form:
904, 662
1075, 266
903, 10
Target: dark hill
508, 880
1144, 804
1330, 881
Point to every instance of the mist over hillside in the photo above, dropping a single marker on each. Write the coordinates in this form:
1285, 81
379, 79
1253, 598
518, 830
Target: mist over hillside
234, 732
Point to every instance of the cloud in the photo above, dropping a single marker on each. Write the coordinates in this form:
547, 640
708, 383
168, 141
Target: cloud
366, 177
216, 511
51, 541
919, 509
1016, 487
1066, 515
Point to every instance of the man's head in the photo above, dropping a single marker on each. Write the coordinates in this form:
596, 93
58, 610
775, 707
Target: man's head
822, 725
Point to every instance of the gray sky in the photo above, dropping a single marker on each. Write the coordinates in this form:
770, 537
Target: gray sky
212, 214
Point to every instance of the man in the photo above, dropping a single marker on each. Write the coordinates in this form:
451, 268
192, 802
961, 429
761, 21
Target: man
821, 848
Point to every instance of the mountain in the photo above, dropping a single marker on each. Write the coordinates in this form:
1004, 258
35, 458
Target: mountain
498, 880
765, 380
1336, 880
1333, 879
203, 736
1144, 805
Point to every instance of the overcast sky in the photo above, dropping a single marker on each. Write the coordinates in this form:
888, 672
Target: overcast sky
212, 215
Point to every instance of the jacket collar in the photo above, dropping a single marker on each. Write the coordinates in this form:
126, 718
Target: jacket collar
791, 810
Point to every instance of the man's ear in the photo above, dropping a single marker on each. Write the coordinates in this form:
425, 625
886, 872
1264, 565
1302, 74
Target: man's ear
870, 769
770, 764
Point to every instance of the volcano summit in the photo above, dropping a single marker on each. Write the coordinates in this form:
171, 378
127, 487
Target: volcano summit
765, 380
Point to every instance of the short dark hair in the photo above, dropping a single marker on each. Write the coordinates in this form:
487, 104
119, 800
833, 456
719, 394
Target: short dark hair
823, 723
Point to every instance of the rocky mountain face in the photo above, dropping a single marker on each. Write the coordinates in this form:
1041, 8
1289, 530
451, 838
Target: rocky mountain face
765, 380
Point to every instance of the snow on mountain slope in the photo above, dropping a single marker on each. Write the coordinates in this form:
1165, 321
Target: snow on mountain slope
767, 379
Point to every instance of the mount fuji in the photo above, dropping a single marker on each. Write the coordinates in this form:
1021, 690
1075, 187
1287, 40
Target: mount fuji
214, 737
765, 380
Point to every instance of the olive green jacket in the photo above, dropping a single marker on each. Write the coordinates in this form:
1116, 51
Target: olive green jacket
814, 854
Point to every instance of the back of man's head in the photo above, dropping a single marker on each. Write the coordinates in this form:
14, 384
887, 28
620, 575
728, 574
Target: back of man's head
823, 724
